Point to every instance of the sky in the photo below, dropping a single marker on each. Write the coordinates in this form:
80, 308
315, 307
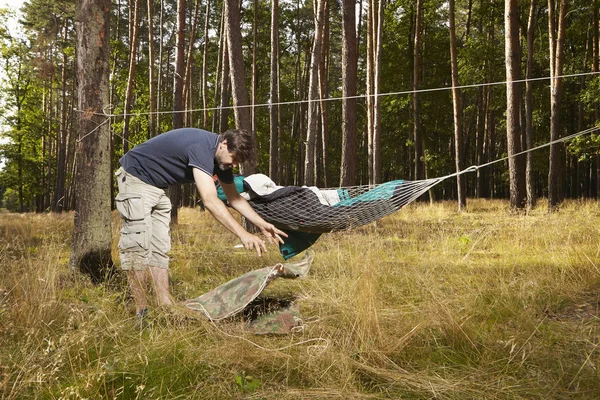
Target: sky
14, 5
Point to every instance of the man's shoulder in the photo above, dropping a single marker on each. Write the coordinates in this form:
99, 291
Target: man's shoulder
195, 132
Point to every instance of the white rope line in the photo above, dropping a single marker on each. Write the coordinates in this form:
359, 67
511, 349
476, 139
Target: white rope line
93, 130
283, 103
474, 168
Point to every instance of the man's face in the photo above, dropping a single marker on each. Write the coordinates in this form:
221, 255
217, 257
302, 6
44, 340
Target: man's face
225, 159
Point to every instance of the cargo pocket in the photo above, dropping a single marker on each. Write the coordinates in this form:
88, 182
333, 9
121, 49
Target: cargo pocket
133, 237
130, 206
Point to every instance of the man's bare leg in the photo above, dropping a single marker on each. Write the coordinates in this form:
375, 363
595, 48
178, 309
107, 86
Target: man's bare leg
137, 283
160, 281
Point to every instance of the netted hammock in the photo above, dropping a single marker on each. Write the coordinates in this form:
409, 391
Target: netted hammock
307, 212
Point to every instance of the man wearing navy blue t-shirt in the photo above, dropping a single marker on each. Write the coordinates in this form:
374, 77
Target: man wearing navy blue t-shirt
179, 156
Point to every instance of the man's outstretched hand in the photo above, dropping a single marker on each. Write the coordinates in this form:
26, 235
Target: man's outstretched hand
272, 234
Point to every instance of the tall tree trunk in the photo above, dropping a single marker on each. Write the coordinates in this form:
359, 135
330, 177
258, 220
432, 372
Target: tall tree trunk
458, 123
323, 95
254, 64
61, 140
371, 28
313, 94
516, 169
243, 117
219, 75
178, 107
91, 247
274, 145
204, 86
418, 141
378, 47
349, 78
151, 73
557, 38
160, 63
225, 88
531, 197
187, 83
134, 38
595, 68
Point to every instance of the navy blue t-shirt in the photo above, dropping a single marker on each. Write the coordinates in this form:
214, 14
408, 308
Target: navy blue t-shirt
169, 158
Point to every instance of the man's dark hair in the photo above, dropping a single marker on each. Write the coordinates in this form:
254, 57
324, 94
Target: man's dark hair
240, 143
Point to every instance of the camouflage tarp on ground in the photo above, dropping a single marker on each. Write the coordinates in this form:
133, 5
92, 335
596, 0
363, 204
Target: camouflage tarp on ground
234, 296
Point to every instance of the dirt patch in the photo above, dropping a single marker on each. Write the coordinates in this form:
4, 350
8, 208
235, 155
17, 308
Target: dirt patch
587, 309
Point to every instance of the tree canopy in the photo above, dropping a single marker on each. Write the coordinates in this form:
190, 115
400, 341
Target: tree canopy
38, 91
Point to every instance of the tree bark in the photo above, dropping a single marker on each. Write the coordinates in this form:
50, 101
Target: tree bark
349, 78
371, 24
187, 83
529, 184
323, 103
91, 246
204, 69
557, 39
274, 94
418, 141
458, 120
58, 204
313, 94
513, 129
378, 47
243, 117
178, 107
134, 37
151, 73
255, 64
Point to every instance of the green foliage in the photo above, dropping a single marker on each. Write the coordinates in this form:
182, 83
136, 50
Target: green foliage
31, 99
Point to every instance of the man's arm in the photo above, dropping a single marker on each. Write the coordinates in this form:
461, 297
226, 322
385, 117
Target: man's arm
215, 206
240, 204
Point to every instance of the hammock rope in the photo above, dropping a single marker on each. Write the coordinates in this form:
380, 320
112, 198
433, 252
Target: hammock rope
312, 210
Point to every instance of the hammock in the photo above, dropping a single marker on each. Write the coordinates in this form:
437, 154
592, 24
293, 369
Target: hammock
304, 213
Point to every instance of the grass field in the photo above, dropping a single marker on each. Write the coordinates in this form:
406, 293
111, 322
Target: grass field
427, 303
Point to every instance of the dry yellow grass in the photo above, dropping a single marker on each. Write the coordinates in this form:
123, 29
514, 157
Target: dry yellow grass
427, 303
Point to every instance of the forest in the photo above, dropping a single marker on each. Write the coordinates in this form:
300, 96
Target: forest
337, 93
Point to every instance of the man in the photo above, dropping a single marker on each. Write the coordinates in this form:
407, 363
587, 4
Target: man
179, 156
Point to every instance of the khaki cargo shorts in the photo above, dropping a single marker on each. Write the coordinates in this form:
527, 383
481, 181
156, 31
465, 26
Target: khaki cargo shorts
145, 214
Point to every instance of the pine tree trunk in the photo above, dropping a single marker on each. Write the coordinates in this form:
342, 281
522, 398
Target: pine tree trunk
255, 65
187, 83
178, 106
313, 94
556, 37
371, 24
461, 194
349, 78
91, 247
378, 46
151, 79
418, 141
225, 88
531, 197
516, 169
219, 76
134, 24
274, 95
58, 203
243, 117
204, 86
160, 64
324, 94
